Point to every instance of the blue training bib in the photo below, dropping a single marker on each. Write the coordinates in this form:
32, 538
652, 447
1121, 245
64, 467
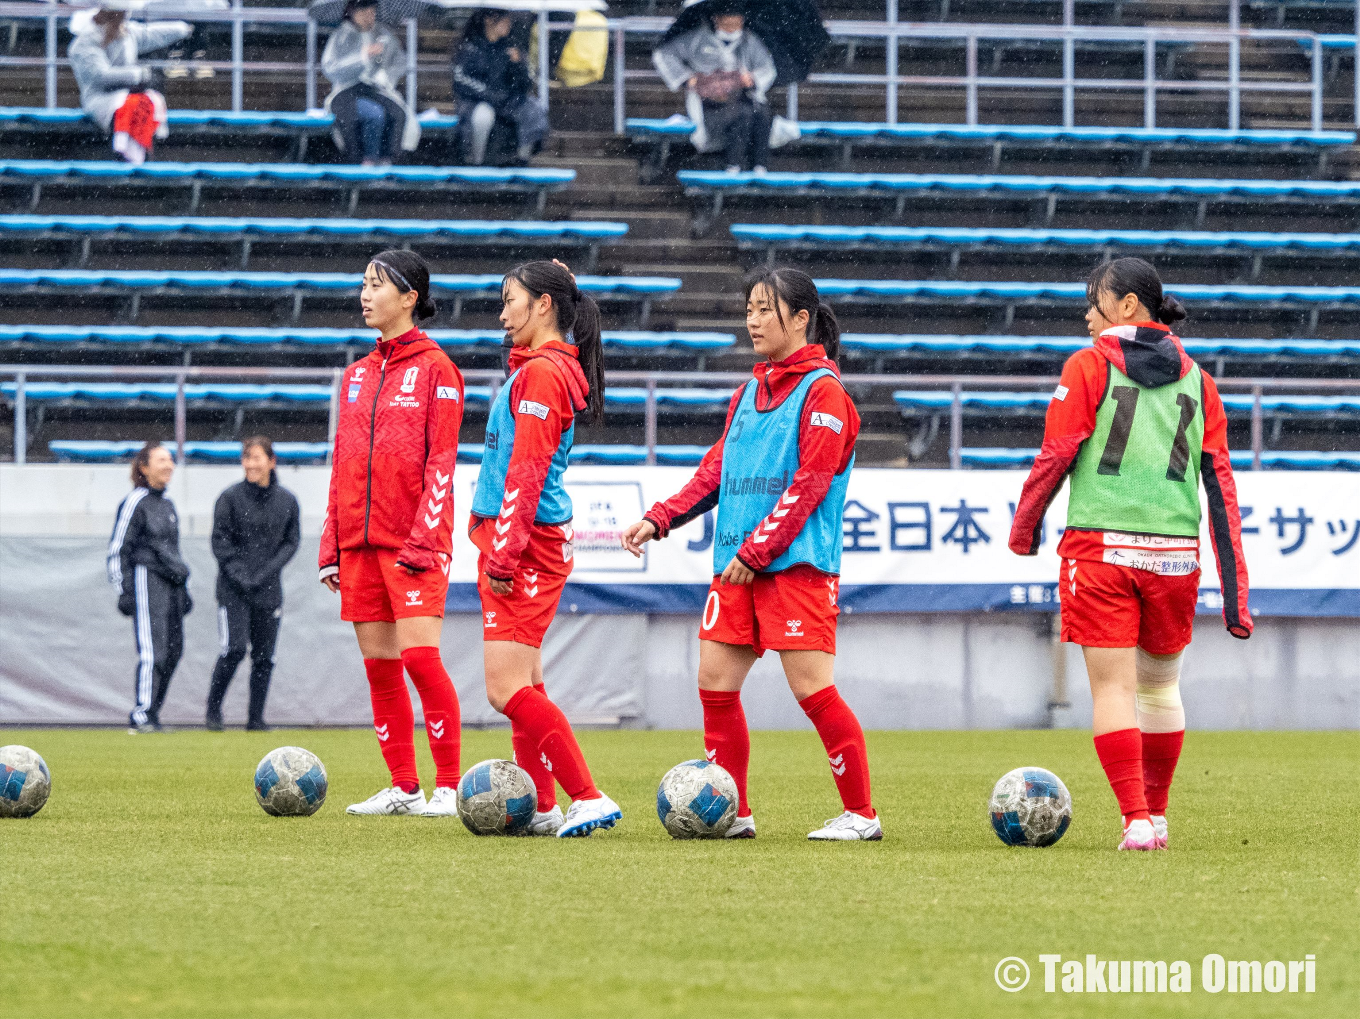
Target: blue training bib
554, 505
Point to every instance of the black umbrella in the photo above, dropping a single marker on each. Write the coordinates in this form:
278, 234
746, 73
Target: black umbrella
791, 30
390, 12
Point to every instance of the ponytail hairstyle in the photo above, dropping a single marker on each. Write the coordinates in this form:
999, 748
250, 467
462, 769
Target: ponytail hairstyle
578, 320
1137, 277
796, 289
408, 272
141, 462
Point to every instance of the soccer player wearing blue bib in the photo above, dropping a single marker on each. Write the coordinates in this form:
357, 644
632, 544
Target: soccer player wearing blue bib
778, 478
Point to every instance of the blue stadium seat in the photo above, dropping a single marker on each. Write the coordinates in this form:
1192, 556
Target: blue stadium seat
620, 340
910, 401
313, 120
631, 289
163, 392
1282, 460
889, 291
107, 451
671, 455
1064, 345
231, 177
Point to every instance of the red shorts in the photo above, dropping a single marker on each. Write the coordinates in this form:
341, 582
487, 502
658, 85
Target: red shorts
792, 610
1104, 605
523, 615
374, 589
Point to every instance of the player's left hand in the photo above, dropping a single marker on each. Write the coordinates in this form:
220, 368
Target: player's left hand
738, 572
500, 587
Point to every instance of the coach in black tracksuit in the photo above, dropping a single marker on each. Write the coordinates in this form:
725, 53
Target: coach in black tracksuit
255, 533
146, 568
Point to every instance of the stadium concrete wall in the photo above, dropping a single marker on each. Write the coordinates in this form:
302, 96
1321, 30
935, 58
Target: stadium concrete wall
67, 656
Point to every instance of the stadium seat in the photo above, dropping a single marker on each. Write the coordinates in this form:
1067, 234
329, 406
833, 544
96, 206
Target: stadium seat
106, 451
911, 402
623, 399
1282, 460
617, 455
188, 336
194, 392
34, 174
995, 139
713, 187
157, 229
628, 289
1253, 245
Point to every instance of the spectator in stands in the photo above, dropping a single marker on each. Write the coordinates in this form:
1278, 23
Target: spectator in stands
151, 577
492, 87
255, 534
726, 72
115, 92
364, 62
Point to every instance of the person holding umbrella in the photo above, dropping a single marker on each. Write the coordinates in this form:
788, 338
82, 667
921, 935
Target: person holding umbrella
364, 62
727, 72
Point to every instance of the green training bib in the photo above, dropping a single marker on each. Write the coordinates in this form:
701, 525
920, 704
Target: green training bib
1139, 470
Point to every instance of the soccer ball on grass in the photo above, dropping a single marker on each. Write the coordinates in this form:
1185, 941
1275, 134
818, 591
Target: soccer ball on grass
697, 800
24, 781
290, 782
1030, 807
496, 798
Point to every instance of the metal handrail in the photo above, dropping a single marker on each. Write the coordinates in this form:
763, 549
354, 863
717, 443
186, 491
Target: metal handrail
891, 30
956, 384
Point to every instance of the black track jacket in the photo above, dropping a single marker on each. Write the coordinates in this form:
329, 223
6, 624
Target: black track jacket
255, 533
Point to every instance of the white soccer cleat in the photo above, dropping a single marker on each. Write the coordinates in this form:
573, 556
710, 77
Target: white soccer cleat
1160, 829
390, 801
849, 827
584, 816
1140, 835
443, 803
545, 822
742, 828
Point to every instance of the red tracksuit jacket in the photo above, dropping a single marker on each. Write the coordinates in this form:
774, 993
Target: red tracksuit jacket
396, 444
1072, 420
822, 453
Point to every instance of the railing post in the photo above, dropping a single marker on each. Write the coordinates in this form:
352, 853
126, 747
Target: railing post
1150, 82
1357, 65
970, 87
412, 41
51, 57
619, 68
792, 111
237, 61
20, 419
333, 415
890, 64
311, 64
181, 420
1234, 66
543, 58
1317, 83
956, 428
1069, 63
649, 422
1256, 428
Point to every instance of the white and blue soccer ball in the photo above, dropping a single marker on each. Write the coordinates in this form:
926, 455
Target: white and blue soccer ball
290, 782
24, 781
496, 798
1030, 807
697, 800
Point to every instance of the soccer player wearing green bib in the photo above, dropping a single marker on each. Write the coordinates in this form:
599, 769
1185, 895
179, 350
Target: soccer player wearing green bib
1137, 425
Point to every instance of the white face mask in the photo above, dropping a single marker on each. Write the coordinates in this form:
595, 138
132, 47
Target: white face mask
728, 37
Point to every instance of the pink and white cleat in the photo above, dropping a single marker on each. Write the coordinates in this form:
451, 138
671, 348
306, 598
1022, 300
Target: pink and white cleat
1160, 829
1140, 835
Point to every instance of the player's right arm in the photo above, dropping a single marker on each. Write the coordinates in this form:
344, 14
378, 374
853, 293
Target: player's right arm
1070, 421
1225, 519
699, 495
328, 558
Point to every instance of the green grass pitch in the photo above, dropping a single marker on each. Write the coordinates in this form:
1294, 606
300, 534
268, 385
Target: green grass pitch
152, 885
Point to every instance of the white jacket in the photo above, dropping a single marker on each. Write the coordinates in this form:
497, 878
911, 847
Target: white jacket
106, 74
345, 61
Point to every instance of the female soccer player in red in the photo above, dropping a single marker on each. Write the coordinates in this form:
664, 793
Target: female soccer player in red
1138, 426
389, 527
521, 525
778, 477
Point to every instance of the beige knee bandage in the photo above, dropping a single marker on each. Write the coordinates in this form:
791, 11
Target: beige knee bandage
1159, 693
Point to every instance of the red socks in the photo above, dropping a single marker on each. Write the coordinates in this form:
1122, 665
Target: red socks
1161, 751
526, 756
439, 704
727, 741
1121, 755
548, 737
843, 738
393, 720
